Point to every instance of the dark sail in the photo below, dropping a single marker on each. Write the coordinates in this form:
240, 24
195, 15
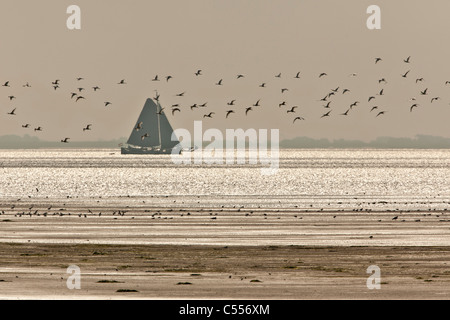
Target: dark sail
166, 132
145, 133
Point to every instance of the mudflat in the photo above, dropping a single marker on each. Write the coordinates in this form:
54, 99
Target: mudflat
234, 255
39, 271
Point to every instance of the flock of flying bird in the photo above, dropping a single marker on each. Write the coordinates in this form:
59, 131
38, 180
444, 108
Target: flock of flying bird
77, 95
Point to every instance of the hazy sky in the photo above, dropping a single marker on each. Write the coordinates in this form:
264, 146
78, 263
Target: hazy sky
136, 40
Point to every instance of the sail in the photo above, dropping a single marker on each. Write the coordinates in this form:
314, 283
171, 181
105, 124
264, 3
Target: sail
145, 133
166, 132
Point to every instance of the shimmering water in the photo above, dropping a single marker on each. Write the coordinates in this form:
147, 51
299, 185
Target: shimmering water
406, 178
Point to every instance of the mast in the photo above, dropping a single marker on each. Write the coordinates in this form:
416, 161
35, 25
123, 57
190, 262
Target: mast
159, 124
166, 133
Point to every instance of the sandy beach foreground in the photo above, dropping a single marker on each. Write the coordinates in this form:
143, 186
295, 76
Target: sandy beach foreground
30, 271
211, 254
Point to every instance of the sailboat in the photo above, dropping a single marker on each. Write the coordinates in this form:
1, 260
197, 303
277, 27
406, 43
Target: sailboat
152, 133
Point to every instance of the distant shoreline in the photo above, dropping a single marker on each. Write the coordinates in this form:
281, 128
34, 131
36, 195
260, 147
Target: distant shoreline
418, 142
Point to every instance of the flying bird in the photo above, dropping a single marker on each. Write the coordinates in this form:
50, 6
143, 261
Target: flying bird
66, 140
323, 74
381, 113
168, 78
88, 127
107, 103
208, 115
354, 104
38, 129
298, 118
12, 112
292, 109
6, 84
156, 78
80, 97
96, 88
122, 81
229, 112
297, 76
413, 106
139, 126
219, 83
405, 74
239, 76
407, 59
327, 106
175, 109
378, 60
198, 73
435, 99
326, 114
26, 126
144, 136
247, 110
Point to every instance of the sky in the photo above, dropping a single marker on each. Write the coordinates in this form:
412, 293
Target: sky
137, 40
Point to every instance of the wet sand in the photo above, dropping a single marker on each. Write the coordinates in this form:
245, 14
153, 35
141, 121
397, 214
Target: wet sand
222, 254
211, 272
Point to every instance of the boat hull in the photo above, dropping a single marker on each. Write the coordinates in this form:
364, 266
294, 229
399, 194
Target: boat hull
131, 150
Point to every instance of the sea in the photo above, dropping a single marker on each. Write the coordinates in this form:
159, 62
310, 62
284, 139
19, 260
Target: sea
405, 179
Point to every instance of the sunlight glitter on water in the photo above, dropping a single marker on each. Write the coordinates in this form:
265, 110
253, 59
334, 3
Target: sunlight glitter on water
304, 176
